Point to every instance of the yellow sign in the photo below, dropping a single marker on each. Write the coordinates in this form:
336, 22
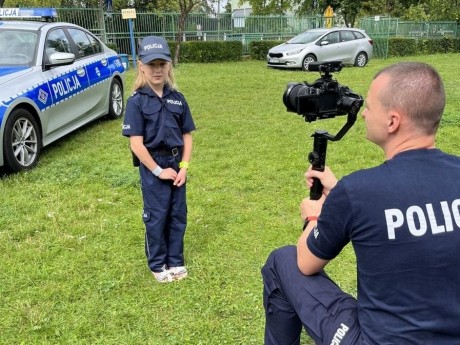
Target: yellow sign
128, 13
328, 14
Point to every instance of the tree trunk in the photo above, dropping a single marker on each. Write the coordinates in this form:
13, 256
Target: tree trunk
185, 7
180, 31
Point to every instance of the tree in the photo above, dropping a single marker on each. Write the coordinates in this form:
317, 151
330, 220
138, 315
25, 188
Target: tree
350, 9
264, 7
185, 7
228, 7
30, 3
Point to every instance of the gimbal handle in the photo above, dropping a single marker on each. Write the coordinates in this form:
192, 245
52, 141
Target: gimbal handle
317, 157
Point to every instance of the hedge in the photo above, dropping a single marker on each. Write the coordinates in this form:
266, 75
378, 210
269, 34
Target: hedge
258, 49
208, 51
218, 51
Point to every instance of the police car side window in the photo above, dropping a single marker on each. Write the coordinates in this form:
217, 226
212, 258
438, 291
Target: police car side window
57, 42
82, 41
95, 43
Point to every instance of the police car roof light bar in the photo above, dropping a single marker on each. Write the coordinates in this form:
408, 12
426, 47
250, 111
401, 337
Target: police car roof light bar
47, 14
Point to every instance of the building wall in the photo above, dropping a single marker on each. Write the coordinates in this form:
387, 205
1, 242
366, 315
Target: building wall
235, 5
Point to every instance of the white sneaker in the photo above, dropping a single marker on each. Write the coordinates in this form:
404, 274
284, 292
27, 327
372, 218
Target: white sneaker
178, 273
165, 276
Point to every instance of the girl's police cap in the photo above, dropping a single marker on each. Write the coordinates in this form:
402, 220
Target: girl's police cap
153, 47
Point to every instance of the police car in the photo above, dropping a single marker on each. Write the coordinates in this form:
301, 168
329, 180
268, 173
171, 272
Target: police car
54, 78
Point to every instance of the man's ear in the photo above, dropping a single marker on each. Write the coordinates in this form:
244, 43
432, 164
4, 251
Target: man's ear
394, 121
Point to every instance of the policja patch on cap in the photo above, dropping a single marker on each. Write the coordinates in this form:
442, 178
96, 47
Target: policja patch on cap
153, 47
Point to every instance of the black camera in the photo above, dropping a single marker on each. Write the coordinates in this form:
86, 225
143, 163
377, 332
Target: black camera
323, 99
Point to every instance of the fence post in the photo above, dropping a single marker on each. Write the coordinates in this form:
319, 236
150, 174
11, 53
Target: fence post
102, 25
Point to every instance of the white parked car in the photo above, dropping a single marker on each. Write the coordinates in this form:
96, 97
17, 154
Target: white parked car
54, 78
351, 46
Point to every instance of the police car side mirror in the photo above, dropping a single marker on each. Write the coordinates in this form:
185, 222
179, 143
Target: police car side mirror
60, 59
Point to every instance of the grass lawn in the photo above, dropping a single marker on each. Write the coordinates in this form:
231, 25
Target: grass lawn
73, 269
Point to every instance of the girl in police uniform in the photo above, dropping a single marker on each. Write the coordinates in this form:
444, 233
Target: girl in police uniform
158, 123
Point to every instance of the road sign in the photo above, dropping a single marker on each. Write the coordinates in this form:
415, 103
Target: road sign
128, 13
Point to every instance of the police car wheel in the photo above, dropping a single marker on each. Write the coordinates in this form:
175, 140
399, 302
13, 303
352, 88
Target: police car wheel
116, 100
22, 141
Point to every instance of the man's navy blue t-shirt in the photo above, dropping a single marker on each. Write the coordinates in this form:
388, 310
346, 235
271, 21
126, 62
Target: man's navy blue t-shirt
403, 219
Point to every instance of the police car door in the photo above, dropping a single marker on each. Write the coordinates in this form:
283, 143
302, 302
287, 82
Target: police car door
91, 53
70, 83
67, 84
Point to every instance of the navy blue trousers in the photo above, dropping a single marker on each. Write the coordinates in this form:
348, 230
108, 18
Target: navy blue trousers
165, 217
293, 300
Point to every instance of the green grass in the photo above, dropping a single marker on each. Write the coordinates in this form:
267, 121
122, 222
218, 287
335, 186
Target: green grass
72, 258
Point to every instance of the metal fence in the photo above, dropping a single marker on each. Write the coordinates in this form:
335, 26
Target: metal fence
381, 28
111, 28
378, 25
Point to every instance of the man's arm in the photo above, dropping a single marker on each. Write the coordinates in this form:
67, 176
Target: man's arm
307, 262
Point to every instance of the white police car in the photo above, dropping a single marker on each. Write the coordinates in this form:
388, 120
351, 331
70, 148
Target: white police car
54, 78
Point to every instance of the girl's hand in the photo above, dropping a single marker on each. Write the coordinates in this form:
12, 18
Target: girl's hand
168, 174
181, 177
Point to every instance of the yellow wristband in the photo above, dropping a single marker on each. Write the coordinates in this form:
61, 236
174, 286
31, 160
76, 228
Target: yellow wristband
184, 164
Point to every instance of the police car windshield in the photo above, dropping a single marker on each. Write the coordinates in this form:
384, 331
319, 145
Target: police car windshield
17, 47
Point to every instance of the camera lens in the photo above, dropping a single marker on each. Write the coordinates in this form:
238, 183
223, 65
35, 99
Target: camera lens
290, 95
301, 98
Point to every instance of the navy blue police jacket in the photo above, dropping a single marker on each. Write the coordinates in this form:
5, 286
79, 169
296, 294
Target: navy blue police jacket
162, 121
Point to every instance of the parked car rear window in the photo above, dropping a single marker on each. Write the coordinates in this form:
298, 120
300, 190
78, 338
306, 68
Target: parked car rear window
346, 36
358, 34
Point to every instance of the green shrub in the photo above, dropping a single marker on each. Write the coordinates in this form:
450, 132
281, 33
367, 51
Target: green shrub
112, 46
210, 51
219, 51
456, 44
172, 48
380, 47
258, 49
400, 46
439, 45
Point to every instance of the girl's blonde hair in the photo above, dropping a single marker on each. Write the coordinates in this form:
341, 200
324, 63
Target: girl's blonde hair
141, 81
